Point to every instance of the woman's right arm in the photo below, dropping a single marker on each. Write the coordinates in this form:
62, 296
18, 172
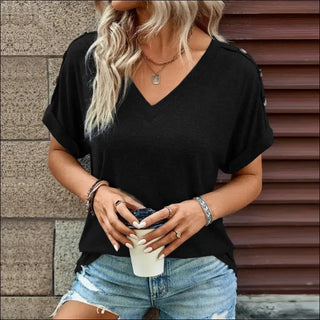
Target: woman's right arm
68, 171
70, 174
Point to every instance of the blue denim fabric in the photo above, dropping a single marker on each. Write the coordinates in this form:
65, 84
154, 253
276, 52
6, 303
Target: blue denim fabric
191, 288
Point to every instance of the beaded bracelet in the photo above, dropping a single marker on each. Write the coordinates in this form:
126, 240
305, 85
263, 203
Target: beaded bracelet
91, 194
206, 209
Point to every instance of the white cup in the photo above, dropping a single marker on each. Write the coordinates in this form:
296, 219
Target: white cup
145, 264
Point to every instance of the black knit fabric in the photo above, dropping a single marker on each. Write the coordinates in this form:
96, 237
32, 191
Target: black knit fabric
171, 151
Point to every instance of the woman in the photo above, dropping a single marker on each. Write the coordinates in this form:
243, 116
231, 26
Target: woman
160, 101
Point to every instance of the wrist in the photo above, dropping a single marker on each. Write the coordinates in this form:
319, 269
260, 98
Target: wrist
92, 192
84, 197
206, 209
100, 190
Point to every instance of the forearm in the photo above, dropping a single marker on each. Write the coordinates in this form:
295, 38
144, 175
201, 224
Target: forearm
233, 196
69, 173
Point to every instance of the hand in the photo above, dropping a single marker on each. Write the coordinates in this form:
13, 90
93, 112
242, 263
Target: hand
187, 218
105, 211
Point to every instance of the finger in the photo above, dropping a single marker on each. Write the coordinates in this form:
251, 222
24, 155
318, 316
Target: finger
119, 225
126, 214
166, 239
173, 245
118, 236
155, 217
107, 229
113, 241
153, 245
158, 232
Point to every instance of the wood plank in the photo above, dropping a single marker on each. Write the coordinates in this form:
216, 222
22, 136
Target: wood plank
290, 77
291, 171
282, 52
286, 192
285, 171
307, 192
274, 237
270, 7
276, 257
294, 125
292, 101
274, 215
273, 27
293, 149
278, 280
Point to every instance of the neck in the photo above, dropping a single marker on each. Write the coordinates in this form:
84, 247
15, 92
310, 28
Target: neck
162, 43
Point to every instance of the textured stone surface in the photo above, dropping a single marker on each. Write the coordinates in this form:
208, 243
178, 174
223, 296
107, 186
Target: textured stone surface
28, 307
28, 187
277, 306
66, 253
53, 71
26, 257
34, 36
43, 27
24, 92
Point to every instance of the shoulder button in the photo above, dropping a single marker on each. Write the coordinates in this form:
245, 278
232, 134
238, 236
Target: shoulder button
261, 74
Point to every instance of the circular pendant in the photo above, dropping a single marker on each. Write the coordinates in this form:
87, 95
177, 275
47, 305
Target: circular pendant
155, 79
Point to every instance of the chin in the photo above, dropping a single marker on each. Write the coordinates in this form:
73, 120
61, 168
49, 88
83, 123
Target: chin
127, 5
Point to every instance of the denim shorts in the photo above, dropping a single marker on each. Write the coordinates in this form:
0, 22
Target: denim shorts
189, 288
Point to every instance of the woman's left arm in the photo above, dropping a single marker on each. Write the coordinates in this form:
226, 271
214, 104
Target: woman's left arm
188, 216
243, 188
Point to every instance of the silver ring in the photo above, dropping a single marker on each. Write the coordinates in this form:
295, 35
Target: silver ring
178, 233
170, 212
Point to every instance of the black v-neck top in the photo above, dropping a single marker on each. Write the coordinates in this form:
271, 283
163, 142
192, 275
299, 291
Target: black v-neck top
170, 151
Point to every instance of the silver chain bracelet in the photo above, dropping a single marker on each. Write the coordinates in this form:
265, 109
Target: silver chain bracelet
206, 209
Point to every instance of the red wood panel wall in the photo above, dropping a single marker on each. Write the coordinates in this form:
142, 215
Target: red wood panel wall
276, 237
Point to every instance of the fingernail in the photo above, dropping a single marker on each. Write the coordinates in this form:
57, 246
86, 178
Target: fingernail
147, 249
129, 245
161, 257
142, 224
116, 247
136, 225
142, 241
132, 235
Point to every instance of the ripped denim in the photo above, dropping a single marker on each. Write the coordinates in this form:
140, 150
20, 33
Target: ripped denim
74, 295
189, 288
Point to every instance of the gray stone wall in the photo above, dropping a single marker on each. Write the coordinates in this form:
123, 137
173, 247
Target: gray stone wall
41, 221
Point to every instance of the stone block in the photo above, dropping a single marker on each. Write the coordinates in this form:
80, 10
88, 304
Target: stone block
66, 253
28, 307
44, 27
28, 187
26, 257
24, 92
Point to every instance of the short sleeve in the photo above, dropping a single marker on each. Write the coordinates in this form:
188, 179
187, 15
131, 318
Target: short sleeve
63, 116
251, 134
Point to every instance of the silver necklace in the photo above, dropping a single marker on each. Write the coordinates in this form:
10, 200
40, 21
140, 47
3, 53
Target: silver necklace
155, 77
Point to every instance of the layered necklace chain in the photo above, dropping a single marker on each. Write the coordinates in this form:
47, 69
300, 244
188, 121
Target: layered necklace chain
156, 74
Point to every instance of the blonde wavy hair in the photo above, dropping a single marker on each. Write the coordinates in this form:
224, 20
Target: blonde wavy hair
116, 49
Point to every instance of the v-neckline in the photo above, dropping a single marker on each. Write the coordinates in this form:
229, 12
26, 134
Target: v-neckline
175, 90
